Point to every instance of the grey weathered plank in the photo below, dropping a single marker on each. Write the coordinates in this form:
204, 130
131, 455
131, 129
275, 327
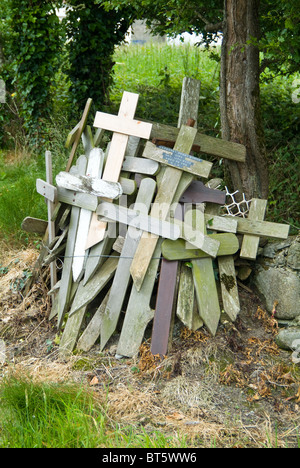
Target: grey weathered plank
229, 287
182, 250
205, 284
122, 276
161, 207
187, 309
139, 220
91, 185
71, 332
250, 243
34, 225
86, 293
139, 312
209, 145
140, 166
94, 168
92, 332
66, 279
179, 160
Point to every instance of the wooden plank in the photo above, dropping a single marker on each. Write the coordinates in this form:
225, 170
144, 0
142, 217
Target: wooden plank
48, 191
81, 200
160, 208
182, 250
187, 309
71, 332
92, 332
117, 152
95, 256
205, 284
209, 145
72, 136
140, 166
139, 312
94, 169
51, 224
229, 287
122, 277
198, 193
220, 223
139, 220
34, 225
177, 159
122, 124
86, 293
66, 278
78, 133
262, 228
189, 103
251, 243
165, 301
128, 185
164, 308
89, 185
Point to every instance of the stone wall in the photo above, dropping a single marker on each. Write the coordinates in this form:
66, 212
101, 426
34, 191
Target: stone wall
277, 281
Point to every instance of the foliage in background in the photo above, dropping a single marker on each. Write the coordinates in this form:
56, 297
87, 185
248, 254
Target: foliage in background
34, 53
92, 35
280, 41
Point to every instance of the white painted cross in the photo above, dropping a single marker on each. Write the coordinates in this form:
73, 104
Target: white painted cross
123, 125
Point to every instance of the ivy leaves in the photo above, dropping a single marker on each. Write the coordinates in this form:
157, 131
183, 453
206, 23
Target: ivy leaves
34, 58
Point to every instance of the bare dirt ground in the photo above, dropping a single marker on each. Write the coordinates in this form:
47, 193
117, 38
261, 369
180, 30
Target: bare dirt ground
237, 389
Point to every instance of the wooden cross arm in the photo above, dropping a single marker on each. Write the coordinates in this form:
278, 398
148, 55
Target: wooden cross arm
123, 125
209, 145
262, 228
47, 190
182, 250
139, 220
177, 159
90, 185
171, 144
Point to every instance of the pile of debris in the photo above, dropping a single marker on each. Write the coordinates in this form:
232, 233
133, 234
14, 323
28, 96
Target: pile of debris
134, 235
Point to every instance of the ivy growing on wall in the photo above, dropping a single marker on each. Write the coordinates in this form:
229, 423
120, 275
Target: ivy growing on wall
35, 57
92, 35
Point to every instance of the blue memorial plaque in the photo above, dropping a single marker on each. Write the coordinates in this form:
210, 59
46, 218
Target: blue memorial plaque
178, 159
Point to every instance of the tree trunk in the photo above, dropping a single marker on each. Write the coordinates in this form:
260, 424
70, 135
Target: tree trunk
240, 96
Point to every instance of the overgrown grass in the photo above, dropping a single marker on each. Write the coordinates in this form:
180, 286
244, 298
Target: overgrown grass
44, 415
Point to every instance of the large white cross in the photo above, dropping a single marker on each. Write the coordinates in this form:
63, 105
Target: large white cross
123, 125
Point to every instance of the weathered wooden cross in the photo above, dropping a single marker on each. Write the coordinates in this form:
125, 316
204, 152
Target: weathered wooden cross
165, 197
122, 127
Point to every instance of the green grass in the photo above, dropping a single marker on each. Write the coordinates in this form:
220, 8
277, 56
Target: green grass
43, 415
18, 196
156, 71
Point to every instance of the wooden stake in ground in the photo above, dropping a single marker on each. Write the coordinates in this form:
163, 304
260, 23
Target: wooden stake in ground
78, 133
204, 280
165, 302
123, 126
122, 277
51, 224
250, 243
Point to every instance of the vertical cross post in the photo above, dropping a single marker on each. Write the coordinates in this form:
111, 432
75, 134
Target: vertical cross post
122, 127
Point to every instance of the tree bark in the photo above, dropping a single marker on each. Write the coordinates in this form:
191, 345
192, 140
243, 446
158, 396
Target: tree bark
240, 96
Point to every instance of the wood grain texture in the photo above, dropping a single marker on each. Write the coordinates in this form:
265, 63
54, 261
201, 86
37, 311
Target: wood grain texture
122, 277
160, 209
251, 243
182, 250
209, 145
